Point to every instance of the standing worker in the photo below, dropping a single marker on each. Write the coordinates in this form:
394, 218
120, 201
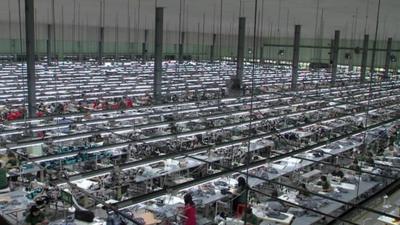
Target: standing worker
36, 217
189, 210
240, 200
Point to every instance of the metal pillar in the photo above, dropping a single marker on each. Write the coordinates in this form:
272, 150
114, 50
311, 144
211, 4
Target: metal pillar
262, 54
180, 50
158, 45
48, 44
101, 46
144, 46
30, 56
238, 83
372, 69
296, 54
212, 49
335, 56
364, 58
387, 60
331, 51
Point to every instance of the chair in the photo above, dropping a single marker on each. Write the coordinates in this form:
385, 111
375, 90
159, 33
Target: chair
222, 207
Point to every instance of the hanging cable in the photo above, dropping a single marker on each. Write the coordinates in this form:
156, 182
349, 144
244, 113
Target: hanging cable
22, 64
375, 38
251, 111
319, 55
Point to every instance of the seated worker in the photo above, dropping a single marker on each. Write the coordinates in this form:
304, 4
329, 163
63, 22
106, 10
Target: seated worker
241, 196
36, 217
354, 166
12, 164
324, 183
303, 192
273, 203
3, 176
337, 172
12, 161
250, 218
369, 159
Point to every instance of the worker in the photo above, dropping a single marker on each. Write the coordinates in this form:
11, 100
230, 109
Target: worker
87, 116
173, 128
303, 192
369, 159
12, 161
273, 202
128, 102
324, 183
249, 218
337, 172
40, 113
355, 166
116, 180
3, 176
36, 217
240, 200
189, 210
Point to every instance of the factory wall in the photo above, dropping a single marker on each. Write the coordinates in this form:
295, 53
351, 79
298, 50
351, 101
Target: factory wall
77, 25
84, 40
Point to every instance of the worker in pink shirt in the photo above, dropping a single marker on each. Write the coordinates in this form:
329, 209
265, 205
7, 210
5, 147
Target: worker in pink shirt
189, 210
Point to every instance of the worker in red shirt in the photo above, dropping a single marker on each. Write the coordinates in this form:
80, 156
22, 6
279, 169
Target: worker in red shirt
14, 115
95, 104
189, 210
129, 103
39, 114
11, 116
19, 114
115, 106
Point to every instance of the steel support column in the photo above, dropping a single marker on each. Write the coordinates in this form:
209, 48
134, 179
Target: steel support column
238, 83
331, 51
101, 46
387, 59
296, 54
158, 45
144, 46
364, 58
335, 56
372, 69
212, 49
180, 50
48, 44
30, 56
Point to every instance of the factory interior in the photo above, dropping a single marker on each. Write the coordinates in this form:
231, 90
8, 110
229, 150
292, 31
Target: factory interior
199, 112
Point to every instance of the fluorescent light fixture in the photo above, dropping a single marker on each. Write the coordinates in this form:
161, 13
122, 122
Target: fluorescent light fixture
90, 177
49, 128
51, 159
158, 126
11, 133
191, 134
25, 145
96, 122
142, 165
71, 138
241, 113
124, 131
109, 148
229, 145
158, 139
